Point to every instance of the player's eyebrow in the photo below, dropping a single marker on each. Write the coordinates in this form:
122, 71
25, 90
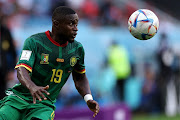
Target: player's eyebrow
74, 20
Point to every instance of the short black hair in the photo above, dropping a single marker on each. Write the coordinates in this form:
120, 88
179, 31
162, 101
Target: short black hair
61, 11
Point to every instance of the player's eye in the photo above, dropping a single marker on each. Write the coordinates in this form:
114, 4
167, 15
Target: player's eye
71, 24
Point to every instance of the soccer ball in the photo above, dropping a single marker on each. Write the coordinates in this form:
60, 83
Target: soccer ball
143, 24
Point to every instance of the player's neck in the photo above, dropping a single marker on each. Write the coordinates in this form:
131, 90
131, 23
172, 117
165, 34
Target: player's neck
57, 38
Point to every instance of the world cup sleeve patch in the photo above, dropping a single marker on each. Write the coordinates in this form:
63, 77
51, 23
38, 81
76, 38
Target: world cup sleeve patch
26, 54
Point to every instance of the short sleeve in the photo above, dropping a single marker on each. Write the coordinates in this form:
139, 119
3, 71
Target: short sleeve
27, 56
80, 66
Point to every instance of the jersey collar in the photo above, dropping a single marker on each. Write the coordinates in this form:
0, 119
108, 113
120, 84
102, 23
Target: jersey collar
53, 41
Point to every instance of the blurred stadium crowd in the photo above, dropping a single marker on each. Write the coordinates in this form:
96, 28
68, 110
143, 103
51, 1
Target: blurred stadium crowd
152, 82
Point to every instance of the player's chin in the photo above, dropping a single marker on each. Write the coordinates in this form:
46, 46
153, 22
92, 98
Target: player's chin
71, 40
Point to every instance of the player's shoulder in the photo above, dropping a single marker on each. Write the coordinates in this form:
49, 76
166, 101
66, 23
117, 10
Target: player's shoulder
33, 39
38, 36
77, 44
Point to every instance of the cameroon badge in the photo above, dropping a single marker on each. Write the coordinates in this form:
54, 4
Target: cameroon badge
44, 58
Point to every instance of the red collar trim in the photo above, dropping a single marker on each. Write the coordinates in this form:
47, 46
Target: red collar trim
53, 41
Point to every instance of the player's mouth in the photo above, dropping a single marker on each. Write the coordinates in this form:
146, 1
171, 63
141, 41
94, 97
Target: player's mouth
74, 35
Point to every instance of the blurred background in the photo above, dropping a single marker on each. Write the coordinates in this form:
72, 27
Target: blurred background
131, 79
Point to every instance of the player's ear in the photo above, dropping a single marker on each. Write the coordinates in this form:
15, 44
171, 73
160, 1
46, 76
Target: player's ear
55, 23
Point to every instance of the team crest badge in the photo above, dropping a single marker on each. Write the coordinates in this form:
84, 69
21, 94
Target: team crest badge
44, 58
73, 61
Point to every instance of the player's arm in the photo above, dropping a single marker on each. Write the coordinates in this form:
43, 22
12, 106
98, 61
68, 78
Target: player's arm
82, 85
25, 80
24, 66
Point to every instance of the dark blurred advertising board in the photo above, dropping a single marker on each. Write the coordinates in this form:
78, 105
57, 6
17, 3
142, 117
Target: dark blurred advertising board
114, 112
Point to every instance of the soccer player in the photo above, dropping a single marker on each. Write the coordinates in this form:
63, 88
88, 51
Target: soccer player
45, 63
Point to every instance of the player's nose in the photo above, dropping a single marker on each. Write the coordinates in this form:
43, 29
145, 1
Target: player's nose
75, 28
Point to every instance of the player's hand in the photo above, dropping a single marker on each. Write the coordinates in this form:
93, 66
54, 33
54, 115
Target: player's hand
93, 106
37, 92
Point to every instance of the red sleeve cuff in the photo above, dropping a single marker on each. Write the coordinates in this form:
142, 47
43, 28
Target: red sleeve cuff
25, 66
80, 71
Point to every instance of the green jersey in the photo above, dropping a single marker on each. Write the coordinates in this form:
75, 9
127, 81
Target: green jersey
49, 63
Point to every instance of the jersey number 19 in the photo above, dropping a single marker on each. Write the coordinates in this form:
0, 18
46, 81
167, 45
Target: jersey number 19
56, 75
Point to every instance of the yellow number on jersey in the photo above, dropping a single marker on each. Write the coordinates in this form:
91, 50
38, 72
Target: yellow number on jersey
56, 75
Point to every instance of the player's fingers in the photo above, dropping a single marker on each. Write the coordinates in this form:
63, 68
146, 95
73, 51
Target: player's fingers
47, 87
38, 97
97, 108
94, 115
34, 99
44, 91
42, 95
96, 111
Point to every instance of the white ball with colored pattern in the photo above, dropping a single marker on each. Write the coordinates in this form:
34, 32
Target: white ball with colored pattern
143, 24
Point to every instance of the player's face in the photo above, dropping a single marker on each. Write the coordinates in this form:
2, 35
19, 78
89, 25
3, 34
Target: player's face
68, 28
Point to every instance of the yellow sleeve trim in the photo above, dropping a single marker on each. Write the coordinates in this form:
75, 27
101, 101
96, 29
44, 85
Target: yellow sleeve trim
80, 71
25, 66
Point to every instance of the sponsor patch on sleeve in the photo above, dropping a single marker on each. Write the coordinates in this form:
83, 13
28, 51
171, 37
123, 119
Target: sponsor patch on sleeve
26, 54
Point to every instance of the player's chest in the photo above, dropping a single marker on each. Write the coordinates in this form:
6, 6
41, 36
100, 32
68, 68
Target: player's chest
58, 57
